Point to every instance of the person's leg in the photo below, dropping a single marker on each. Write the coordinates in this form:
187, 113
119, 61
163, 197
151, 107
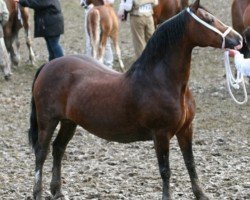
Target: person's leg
88, 48
108, 56
54, 48
150, 27
5, 65
138, 35
51, 55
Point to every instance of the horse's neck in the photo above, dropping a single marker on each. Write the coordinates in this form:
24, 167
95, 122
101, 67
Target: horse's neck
177, 64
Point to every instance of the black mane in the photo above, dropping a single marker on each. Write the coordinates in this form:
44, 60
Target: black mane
165, 37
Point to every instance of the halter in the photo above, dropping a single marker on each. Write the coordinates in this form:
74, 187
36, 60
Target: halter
223, 35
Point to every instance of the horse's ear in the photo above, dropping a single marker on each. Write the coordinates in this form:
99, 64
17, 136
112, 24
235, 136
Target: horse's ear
194, 7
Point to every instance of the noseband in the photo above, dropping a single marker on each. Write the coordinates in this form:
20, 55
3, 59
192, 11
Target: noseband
223, 35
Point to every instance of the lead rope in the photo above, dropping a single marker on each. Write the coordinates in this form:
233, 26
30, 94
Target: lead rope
234, 82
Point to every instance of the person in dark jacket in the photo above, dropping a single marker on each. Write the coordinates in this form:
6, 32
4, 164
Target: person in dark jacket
49, 23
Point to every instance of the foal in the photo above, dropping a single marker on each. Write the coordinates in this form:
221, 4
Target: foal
241, 22
102, 23
151, 101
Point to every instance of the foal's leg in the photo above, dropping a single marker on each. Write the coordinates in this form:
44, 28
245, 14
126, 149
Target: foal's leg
161, 142
101, 49
26, 25
118, 50
65, 134
185, 141
28, 43
41, 151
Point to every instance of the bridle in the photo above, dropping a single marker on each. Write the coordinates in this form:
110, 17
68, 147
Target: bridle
231, 81
223, 35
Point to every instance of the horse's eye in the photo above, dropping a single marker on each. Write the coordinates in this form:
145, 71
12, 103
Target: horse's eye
210, 21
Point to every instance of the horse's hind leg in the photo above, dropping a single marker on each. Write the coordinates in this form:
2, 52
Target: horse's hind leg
161, 142
41, 151
102, 46
118, 50
185, 142
65, 134
26, 25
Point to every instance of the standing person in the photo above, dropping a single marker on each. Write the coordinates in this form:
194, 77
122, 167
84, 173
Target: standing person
4, 56
49, 23
108, 56
141, 21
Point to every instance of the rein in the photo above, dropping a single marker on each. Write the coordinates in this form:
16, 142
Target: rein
223, 35
234, 82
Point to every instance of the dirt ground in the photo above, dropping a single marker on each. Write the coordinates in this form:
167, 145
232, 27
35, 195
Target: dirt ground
96, 169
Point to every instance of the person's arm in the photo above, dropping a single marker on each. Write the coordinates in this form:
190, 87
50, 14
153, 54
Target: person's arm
156, 2
126, 5
242, 64
35, 4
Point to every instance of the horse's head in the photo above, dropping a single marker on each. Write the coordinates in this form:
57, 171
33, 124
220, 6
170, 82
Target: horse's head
207, 30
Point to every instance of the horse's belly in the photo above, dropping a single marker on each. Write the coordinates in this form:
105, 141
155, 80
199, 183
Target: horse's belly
122, 135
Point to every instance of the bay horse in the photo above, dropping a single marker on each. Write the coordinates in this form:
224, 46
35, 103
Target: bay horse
151, 101
167, 9
240, 11
102, 23
18, 18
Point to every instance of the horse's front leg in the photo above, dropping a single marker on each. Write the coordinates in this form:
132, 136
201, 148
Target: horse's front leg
185, 141
161, 142
9, 46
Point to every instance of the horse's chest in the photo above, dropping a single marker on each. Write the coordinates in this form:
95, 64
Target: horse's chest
170, 114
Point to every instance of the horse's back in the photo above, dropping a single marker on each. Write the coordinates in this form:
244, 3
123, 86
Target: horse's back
165, 10
108, 19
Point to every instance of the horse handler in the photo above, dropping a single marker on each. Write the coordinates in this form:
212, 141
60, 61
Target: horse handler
49, 23
4, 56
141, 21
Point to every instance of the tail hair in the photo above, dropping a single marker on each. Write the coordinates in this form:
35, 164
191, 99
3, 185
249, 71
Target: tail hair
33, 130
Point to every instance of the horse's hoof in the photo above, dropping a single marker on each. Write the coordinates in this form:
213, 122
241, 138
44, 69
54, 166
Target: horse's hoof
7, 77
60, 196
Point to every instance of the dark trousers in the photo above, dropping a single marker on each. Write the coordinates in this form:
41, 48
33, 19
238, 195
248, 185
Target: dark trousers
54, 48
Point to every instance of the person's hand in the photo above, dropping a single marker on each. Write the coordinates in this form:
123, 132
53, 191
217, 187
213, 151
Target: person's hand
17, 1
233, 52
121, 14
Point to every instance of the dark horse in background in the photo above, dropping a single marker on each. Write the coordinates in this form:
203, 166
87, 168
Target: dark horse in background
241, 22
151, 101
19, 17
167, 9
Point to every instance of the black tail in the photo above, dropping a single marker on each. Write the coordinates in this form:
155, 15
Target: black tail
33, 130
